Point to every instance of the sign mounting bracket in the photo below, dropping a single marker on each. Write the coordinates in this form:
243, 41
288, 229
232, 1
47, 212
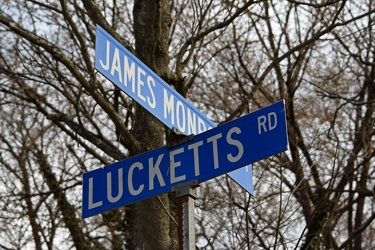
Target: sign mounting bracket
187, 188
180, 138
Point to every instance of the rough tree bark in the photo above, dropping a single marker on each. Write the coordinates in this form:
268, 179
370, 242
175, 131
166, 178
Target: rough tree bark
150, 222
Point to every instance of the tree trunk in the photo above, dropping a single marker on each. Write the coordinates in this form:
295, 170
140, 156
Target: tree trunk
149, 221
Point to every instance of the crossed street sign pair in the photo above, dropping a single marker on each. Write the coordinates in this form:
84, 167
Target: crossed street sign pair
210, 153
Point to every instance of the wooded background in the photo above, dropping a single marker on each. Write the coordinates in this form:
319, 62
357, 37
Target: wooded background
61, 118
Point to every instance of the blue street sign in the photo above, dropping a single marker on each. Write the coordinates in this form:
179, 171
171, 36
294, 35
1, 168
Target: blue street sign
243, 177
131, 75
215, 152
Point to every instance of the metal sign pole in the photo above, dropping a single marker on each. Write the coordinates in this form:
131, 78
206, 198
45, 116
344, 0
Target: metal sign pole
186, 194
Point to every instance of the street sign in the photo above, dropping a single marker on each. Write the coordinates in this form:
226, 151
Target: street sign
215, 152
132, 76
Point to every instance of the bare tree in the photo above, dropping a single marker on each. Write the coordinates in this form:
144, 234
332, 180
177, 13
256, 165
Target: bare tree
304, 196
60, 118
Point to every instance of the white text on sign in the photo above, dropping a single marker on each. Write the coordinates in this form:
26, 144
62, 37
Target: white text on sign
267, 123
141, 84
218, 144
215, 152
